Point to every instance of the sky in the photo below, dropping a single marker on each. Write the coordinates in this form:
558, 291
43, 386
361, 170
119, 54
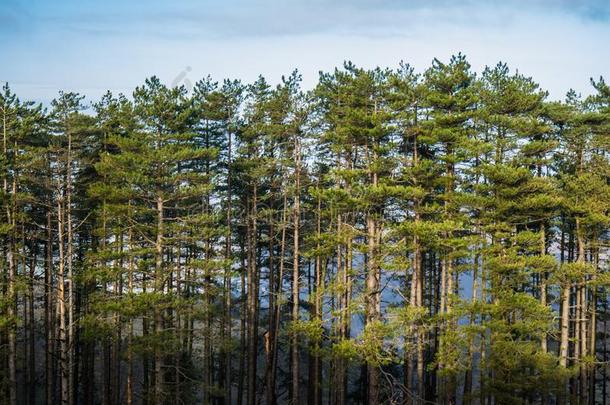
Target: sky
91, 46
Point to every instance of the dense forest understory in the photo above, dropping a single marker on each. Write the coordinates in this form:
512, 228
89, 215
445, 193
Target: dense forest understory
385, 238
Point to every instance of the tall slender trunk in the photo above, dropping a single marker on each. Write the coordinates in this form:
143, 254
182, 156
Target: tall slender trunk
581, 291
48, 304
269, 335
227, 279
12, 316
69, 258
158, 316
31, 380
295, 275
253, 300
447, 384
243, 322
415, 301
593, 329
105, 341
278, 306
543, 284
605, 354
10, 292
472, 321
339, 372
129, 392
208, 367
564, 342
117, 321
316, 372
146, 373
61, 306
410, 358
373, 310
565, 319
483, 336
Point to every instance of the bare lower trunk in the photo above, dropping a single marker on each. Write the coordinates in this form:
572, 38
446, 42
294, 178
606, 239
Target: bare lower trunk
61, 309
316, 372
252, 300
49, 324
276, 327
227, 282
130, 368
12, 338
339, 377
158, 317
543, 281
593, 330
32, 328
565, 319
242, 329
373, 303
581, 292
294, 349
10, 277
69, 257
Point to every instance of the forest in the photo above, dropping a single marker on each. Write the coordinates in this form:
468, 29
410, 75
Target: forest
385, 237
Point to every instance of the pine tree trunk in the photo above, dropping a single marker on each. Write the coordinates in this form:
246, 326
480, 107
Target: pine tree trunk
61, 307
158, 317
48, 306
471, 347
420, 329
373, 291
565, 320
146, 372
278, 306
593, 330
543, 283
605, 354
269, 335
106, 366
339, 383
118, 338
12, 316
253, 301
295, 277
227, 280
582, 316
32, 327
69, 258
129, 392
316, 372
442, 386
372, 285
483, 337
414, 360
11, 274
243, 324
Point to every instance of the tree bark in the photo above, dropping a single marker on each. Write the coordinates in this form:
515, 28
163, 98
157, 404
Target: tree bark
373, 289
159, 286
295, 275
61, 307
227, 279
252, 300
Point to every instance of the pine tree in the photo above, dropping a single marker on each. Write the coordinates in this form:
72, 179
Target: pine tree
389, 237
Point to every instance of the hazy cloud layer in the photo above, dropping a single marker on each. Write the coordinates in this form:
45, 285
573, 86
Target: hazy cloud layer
237, 18
90, 45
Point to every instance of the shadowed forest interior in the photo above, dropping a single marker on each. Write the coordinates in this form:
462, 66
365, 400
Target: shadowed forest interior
386, 237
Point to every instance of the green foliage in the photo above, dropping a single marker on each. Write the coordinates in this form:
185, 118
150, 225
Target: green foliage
441, 218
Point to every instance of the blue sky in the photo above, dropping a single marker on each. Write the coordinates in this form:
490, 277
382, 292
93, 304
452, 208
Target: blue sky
91, 46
